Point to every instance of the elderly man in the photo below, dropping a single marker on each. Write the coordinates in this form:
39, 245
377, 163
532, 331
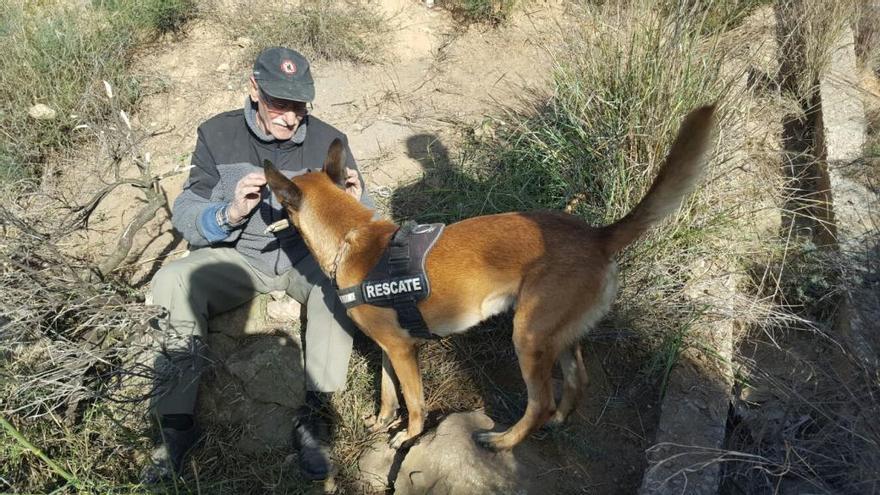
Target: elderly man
224, 211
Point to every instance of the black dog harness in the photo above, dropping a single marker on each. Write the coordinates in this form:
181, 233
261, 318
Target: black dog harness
398, 280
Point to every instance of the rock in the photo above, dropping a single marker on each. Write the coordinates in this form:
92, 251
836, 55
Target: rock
255, 381
270, 429
448, 461
374, 466
224, 67
255, 385
248, 319
244, 41
855, 212
270, 369
286, 311
41, 112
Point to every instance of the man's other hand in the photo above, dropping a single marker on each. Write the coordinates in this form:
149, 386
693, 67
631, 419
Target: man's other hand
353, 183
246, 197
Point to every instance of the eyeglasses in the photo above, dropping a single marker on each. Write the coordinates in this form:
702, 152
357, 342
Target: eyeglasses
278, 105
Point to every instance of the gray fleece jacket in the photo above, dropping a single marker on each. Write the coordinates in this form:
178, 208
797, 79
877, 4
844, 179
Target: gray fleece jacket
231, 145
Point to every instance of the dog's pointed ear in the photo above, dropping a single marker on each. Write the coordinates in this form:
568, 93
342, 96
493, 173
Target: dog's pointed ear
334, 164
285, 190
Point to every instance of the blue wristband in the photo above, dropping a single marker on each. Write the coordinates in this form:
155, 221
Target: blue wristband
209, 226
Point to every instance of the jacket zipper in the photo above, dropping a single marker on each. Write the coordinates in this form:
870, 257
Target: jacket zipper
275, 155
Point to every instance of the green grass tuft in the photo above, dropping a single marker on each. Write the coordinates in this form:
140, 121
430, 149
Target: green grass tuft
160, 16
492, 12
329, 30
57, 55
716, 15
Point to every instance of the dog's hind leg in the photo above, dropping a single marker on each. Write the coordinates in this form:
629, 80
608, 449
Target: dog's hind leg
404, 359
389, 401
574, 376
536, 359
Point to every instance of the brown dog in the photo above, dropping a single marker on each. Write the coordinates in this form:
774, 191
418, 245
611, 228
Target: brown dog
557, 271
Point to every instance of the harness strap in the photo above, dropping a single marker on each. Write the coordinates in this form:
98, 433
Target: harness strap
398, 250
408, 314
403, 285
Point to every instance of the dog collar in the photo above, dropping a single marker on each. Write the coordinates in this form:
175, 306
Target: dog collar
343, 245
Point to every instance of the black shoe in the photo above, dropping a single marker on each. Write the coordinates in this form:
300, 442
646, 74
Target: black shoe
167, 458
314, 456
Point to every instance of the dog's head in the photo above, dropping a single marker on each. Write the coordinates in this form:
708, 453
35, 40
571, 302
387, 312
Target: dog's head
293, 194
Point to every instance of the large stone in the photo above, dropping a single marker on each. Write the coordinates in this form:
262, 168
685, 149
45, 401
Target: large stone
255, 382
375, 466
692, 426
856, 207
270, 369
248, 319
447, 461
41, 112
693, 421
283, 309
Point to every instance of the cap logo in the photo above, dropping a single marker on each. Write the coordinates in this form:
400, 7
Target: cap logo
288, 67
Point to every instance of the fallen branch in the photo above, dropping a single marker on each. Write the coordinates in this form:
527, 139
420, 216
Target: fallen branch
123, 246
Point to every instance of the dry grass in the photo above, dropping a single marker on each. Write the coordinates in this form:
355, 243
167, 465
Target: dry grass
805, 412
868, 36
620, 87
57, 54
70, 350
801, 418
870, 172
328, 30
806, 31
491, 12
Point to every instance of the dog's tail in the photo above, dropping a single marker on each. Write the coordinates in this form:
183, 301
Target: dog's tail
676, 179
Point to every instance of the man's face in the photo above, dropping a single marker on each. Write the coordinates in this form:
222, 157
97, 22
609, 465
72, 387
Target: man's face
280, 118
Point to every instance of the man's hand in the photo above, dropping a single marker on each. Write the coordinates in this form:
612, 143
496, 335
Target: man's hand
246, 197
353, 183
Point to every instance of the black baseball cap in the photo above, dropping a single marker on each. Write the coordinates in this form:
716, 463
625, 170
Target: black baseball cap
284, 73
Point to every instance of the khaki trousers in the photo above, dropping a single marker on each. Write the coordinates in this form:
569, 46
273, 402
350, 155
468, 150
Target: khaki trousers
212, 280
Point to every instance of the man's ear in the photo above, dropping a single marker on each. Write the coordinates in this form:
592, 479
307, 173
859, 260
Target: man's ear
284, 189
253, 89
334, 164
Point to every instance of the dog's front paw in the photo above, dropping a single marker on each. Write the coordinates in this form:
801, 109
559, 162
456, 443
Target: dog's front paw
378, 424
384, 424
487, 439
400, 440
